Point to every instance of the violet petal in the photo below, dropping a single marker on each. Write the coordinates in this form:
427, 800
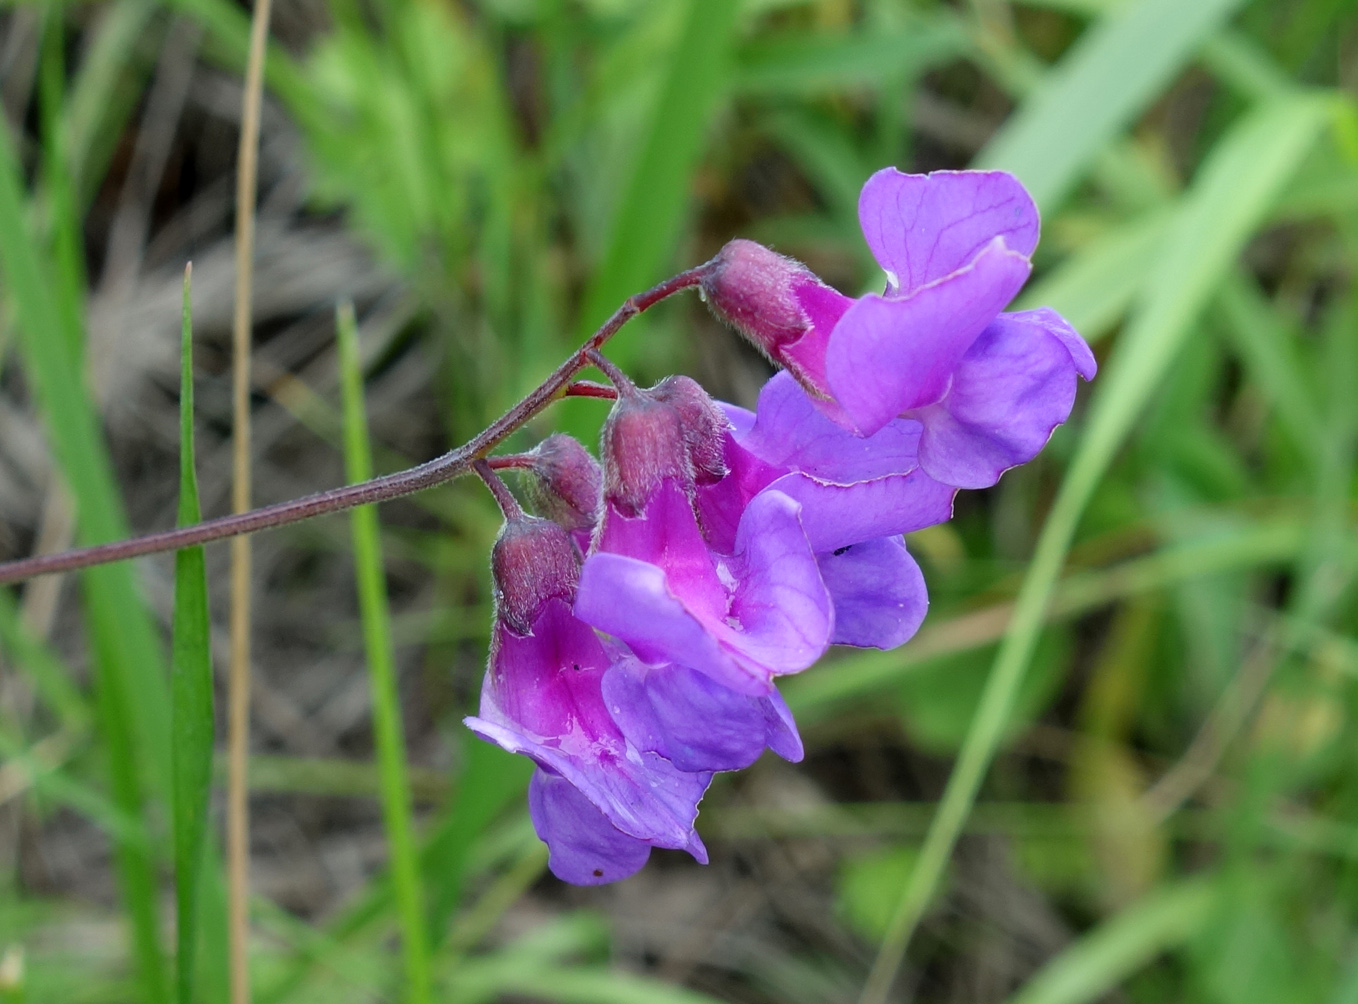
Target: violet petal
1010, 391
584, 848
837, 515
693, 721
790, 432
890, 355
879, 593
924, 227
542, 697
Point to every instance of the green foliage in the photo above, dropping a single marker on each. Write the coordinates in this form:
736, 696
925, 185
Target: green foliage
372, 596
191, 690
1142, 646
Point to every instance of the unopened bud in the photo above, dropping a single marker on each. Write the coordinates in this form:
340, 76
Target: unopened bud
643, 443
754, 290
533, 561
703, 423
567, 484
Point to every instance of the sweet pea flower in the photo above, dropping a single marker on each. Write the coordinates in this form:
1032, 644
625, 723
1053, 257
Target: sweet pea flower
652, 580
597, 801
708, 629
987, 388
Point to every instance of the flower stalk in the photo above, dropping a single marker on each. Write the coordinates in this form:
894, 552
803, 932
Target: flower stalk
440, 470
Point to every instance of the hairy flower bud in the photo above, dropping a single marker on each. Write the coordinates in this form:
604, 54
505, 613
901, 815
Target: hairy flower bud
643, 444
704, 426
533, 561
754, 290
673, 431
567, 483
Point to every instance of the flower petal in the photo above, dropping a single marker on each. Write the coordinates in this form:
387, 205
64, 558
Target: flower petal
542, 697
693, 721
790, 432
879, 593
1010, 391
780, 605
834, 516
584, 848
776, 617
890, 355
631, 600
922, 227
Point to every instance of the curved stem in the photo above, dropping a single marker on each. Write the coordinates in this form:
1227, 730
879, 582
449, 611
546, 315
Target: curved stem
504, 498
433, 472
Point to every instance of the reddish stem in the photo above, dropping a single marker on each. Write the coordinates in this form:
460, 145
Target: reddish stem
588, 388
504, 498
390, 486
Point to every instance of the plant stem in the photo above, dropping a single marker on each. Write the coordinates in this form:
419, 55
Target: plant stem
427, 475
388, 735
238, 675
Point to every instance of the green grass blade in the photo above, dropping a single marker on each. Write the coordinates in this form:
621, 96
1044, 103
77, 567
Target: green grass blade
1094, 287
132, 698
51, 678
1229, 198
1267, 350
1117, 948
647, 218
1256, 544
372, 601
191, 687
1113, 72
810, 63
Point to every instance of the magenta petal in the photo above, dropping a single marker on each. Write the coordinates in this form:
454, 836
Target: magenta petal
695, 722
834, 516
805, 357
542, 697
790, 432
775, 618
584, 848
890, 355
879, 593
1015, 385
922, 227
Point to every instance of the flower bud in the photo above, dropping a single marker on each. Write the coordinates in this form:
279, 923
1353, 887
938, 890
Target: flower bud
703, 423
567, 483
643, 444
753, 289
533, 560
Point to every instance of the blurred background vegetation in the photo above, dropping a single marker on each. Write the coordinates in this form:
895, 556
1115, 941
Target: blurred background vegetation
1174, 815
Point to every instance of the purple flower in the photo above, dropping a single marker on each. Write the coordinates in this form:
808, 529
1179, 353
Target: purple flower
987, 388
597, 801
857, 496
710, 628
742, 616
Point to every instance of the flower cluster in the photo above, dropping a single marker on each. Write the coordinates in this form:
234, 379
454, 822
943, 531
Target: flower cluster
643, 618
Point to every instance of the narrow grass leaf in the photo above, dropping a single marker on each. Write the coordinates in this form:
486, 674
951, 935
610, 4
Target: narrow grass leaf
650, 210
1261, 543
51, 678
1094, 287
808, 63
1267, 350
191, 686
132, 696
1230, 197
1094, 966
1106, 80
372, 601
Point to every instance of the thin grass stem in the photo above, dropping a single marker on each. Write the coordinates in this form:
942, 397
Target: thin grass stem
238, 685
